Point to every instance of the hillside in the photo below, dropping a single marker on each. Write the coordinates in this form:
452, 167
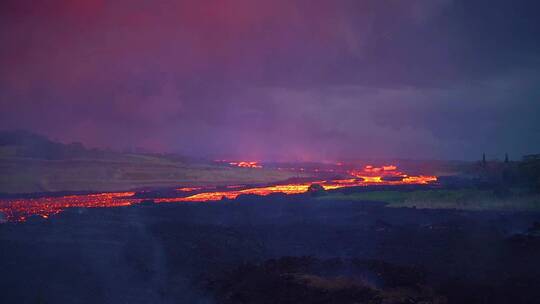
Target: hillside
32, 163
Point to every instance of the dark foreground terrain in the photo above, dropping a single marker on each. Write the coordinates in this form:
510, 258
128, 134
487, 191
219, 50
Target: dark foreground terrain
272, 250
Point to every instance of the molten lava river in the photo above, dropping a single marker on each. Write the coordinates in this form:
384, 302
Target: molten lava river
20, 209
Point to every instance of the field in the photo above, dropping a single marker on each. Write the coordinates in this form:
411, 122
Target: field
124, 172
460, 199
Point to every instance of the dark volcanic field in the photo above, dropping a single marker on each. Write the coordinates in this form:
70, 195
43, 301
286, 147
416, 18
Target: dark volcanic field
275, 249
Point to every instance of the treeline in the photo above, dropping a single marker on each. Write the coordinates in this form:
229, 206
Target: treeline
530, 171
21, 143
524, 173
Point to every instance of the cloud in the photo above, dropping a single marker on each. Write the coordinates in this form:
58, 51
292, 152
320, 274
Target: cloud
274, 79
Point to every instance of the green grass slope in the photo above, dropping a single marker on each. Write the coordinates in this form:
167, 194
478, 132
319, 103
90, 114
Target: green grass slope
462, 199
32, 163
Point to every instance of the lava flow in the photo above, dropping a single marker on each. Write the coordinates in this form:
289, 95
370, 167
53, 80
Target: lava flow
390, 175
21, 209
246, 164
369, 175
218, 195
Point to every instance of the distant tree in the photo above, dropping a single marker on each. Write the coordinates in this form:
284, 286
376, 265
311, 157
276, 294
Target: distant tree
529, 170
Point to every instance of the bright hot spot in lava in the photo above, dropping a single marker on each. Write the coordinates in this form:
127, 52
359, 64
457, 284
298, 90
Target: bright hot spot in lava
241, 164
389, 175
246, 164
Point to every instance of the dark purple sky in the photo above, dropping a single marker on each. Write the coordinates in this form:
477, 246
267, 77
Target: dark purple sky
276, 79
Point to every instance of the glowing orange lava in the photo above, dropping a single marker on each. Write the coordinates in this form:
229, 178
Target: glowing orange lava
21, 209
218, 195
390, 175
421, 179
246, 164
369, 175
